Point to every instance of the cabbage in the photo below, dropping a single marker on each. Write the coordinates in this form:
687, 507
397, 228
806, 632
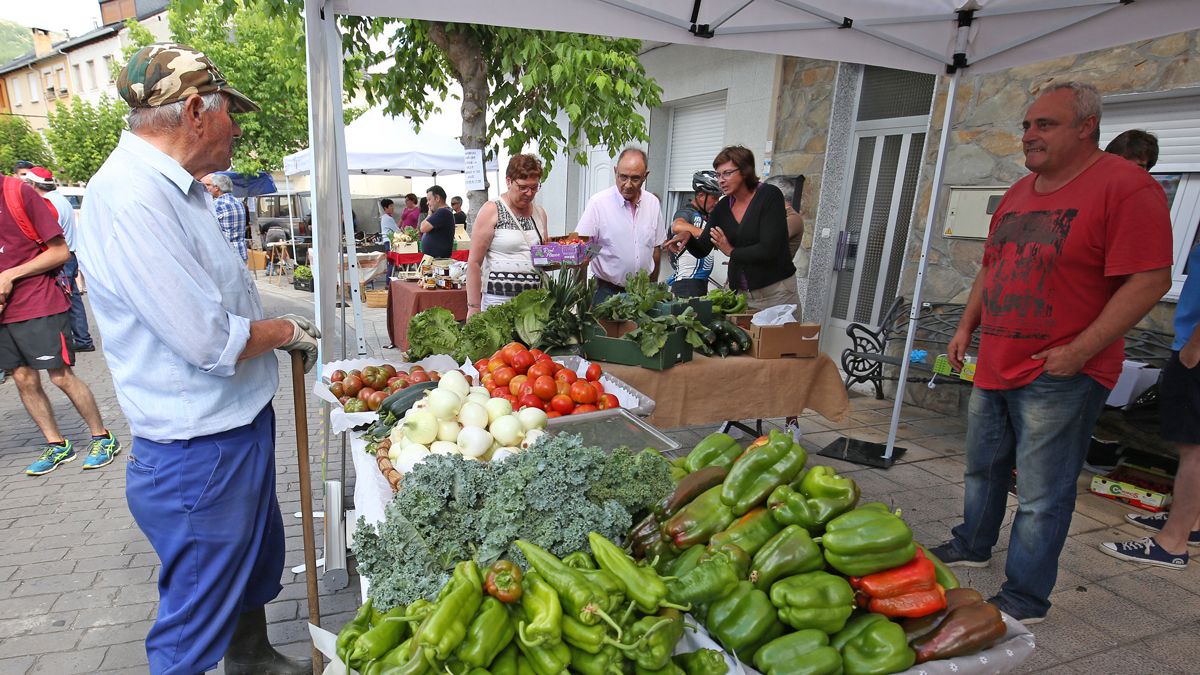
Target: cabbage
434, 331
532, 311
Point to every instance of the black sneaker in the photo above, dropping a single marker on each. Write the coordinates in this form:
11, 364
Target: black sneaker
1025, 618
84, 348
950, 556
1145, 551
1155, 523
1102, 456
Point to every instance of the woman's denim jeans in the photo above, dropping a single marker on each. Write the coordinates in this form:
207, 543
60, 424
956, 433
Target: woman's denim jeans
1045, 429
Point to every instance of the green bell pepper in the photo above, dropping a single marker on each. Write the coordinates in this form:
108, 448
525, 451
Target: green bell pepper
708, 581
640, 584
545, 658
489, 633
821, 496
653, 639
749, 532
686, 561
406, 659
743, 621
762, 469
873, 645
580, 598
697, 522
813, 600
669, 669
608, 584
702, 662
391, 630
789, 552
606, 661
579, 635
867, 540
580, 560
716, 449
539, 620
805, 652
353, 629
446, 626
505, 662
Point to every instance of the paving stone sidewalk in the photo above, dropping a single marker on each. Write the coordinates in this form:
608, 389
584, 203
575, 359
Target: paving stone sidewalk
78, 579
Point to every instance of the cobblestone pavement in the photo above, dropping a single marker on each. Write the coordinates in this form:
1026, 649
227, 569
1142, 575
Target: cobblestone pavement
77, 578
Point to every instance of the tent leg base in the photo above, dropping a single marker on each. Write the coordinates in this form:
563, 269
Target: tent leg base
862, 452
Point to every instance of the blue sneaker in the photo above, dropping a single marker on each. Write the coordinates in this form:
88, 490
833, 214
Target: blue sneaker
1157, 521
950, 557
52, 456
101, 451
1145, 551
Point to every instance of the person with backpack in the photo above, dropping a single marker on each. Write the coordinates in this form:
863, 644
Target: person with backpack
35, 327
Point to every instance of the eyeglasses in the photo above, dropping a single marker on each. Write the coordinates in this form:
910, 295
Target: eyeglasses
635, 179
527, 189
729, 173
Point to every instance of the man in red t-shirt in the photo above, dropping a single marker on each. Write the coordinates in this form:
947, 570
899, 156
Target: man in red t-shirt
34, 332
1078, 252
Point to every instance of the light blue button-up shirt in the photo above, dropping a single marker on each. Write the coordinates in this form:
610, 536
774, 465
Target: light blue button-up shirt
172, 300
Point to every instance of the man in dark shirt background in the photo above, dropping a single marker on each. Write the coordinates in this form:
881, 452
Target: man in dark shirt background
460, 216
437, 231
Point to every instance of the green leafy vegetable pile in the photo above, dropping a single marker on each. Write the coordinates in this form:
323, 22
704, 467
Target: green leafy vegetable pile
552, 494
302, 272
726, 301
640, 296
486, 332
434, 331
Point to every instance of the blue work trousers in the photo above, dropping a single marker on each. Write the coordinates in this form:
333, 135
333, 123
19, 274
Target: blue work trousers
1044, 429
209, 509
78, 315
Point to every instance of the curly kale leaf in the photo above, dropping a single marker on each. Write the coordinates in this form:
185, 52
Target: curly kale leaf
635, 480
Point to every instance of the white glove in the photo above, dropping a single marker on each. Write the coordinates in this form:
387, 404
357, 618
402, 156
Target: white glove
304, 339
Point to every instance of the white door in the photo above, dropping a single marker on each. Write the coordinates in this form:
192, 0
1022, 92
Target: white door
878, 213
596, 176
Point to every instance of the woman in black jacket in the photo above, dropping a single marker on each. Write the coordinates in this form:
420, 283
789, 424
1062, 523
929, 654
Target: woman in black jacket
750, 227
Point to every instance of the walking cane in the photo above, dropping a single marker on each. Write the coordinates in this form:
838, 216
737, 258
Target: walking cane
306, 511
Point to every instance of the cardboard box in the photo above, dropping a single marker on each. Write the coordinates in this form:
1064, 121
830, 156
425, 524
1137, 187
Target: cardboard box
1142, 487
256, 260
798, 340
606, 344
1136, 378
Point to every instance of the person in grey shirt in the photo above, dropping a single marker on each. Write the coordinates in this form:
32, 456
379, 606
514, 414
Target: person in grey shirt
192, 358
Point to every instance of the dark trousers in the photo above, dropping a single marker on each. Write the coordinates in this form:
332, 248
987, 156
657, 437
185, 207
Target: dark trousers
690, 288
79, 322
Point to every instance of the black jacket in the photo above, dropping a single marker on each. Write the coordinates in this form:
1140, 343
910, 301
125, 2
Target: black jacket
760, 242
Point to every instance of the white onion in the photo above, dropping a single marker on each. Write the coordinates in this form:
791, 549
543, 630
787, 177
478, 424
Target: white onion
480, 390
444, 448
531, 437
473, 415
502, 454
448, 430
474, 441
455, 382
481, 399
497, 408
507, 430
409, 457
420, 426
532, 418
444, 403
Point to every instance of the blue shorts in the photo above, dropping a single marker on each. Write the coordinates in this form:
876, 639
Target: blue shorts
209, 509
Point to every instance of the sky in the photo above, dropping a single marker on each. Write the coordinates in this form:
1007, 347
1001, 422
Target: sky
77, 16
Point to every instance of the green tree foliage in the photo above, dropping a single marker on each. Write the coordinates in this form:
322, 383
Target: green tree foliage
20, 142
255, 50
82, 136
15, 40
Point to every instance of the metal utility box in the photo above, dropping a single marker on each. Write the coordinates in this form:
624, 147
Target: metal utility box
970, 210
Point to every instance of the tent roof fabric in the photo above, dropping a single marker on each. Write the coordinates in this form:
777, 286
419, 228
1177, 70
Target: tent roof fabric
377, 143
918, 35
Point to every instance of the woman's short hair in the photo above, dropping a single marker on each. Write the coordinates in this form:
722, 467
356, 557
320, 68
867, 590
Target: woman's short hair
410, 197
743, 159
523, 166
1135, 144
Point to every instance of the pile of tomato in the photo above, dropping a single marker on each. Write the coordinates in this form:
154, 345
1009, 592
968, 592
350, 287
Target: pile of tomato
529, 378
365, 390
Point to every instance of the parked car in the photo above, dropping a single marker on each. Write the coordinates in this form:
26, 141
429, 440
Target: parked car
73, 195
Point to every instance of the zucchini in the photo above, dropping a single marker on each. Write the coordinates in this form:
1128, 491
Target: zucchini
399, 402
742, 337
735, 347
723, 349
721, 327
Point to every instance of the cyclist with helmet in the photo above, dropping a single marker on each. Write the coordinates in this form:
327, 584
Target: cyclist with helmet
690, 274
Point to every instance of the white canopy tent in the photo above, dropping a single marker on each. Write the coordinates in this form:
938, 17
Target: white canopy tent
932, 36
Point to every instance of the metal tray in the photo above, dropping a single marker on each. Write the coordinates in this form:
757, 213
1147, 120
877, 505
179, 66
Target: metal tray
610, 429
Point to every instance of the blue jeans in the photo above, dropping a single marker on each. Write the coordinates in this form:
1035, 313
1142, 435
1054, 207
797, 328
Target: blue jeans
79, 322
1044, 429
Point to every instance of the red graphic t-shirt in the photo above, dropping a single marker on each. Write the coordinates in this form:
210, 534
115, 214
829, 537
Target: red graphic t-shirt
1052, 261
39, 295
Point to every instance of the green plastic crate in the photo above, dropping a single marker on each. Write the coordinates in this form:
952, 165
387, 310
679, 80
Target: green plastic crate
599, 346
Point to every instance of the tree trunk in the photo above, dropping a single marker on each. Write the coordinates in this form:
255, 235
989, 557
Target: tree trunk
465, 54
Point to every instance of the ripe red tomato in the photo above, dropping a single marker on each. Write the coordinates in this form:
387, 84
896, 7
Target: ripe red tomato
500, 392
609, 401
482, 366
352, 385
337, 376
553, 413
389, 369
376, 400
598, 386
522, 360
510, 350
540, 368
503, 376
566, 375
496, 363
488, 381
418, 376
417, 369
562, 404
562, 387
364, 394
585, 408
337, 389
530, 401
511, 399
593, 372
537, 354
515, 384
582, 392
545, 388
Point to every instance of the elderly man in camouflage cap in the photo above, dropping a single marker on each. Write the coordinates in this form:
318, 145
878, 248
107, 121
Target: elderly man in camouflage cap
191, 355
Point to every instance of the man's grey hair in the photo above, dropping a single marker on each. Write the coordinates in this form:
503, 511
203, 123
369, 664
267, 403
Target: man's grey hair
222, 182
1087, 102
636, 150
167, 117
786, 185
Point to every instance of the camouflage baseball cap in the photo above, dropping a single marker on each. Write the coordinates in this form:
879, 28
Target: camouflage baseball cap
164, 73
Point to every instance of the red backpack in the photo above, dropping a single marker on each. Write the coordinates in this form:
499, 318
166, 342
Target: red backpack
16, 206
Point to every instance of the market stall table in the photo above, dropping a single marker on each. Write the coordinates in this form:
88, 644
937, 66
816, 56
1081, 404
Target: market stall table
713, 390
407, 298
414, 258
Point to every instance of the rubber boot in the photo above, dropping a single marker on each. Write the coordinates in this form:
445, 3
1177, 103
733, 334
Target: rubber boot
250, 653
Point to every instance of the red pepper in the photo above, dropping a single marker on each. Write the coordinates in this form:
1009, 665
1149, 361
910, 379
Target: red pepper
919, 574
504, 581
910, 605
